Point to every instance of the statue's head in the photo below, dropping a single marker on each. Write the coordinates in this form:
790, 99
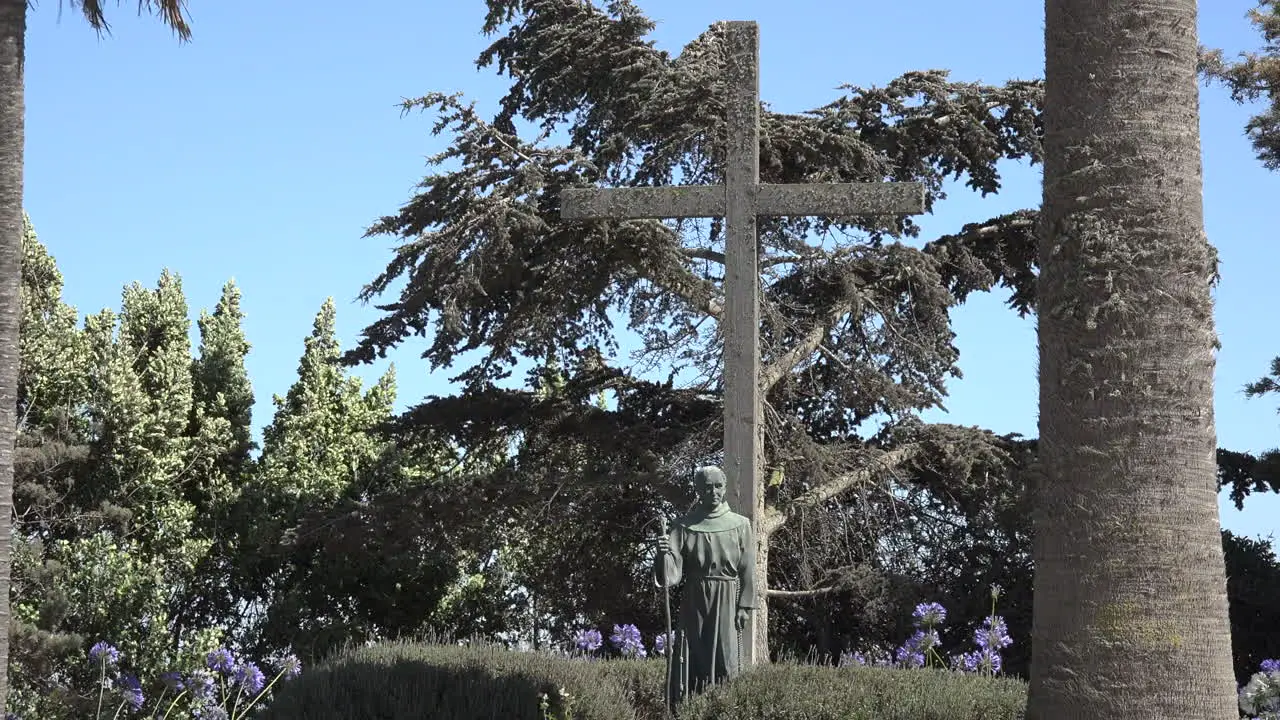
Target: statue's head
710, 484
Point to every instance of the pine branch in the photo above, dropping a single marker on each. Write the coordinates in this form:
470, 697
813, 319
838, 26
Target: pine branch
798, 594
679, 280
714, 256
999, 251
774, 372
891, 461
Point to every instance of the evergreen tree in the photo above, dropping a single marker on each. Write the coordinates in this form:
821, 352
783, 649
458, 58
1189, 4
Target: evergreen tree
1252, 77
322, 449
108, 559
222, 407
144, 450
53, 378
51, 454
13, 24
221, 462
319, 443
855, 326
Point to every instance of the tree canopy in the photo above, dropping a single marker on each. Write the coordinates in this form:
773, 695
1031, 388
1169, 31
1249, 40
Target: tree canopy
856, 336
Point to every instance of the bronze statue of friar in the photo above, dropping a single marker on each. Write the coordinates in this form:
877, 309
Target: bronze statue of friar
712, 550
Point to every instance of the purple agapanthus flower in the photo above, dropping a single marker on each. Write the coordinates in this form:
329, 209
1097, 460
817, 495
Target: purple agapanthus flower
660, 644
173, 681
628, 641
908, 658
210, 712
986, 659
993, 634
588, 640
929, 614
913, 652
221, 660
249, 677
201, 685
104, 652
289, 666
926, 639
1270, 666
131, 690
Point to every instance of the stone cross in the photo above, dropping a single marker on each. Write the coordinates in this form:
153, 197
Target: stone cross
739, 201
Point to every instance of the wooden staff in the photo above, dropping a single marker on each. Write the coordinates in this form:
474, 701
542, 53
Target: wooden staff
669, 639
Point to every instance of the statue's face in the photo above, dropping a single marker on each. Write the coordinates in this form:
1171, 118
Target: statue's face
710, 490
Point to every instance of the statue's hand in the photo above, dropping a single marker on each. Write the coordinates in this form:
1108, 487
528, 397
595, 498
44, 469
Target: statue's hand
663, 544
740, 621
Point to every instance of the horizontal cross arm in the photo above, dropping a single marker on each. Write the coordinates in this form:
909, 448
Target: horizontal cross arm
690, 201
642, 203
840, 199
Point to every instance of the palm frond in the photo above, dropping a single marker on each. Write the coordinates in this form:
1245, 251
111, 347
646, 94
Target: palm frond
172, 12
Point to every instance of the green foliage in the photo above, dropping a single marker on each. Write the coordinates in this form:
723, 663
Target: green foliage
144, 520
486, 598
1267, 384
1245, 473
222, 397
403, 680
319, 446
953, 539
1253, 584
803, 692
406, 681
643, 682
319, 441
324, 571
106, 537
143, 452
953, 530
220, 430
856, 326
54, 355
1254, 76
53, 387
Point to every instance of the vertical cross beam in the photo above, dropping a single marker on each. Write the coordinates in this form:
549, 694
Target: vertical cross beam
743, 428
740, 200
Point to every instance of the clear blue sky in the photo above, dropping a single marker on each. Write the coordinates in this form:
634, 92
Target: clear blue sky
262, 150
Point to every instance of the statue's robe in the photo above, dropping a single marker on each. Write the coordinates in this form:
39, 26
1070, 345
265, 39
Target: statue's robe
714, 553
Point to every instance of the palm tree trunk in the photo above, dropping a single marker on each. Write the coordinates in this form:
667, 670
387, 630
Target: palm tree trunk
13, 20
1130, 615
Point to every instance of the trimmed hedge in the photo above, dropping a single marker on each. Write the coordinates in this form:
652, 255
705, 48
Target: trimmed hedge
641, 682
407, 681
808, 692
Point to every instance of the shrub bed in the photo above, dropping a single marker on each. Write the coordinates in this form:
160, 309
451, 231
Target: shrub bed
641, 681
808, 692
403, 681
407, 681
